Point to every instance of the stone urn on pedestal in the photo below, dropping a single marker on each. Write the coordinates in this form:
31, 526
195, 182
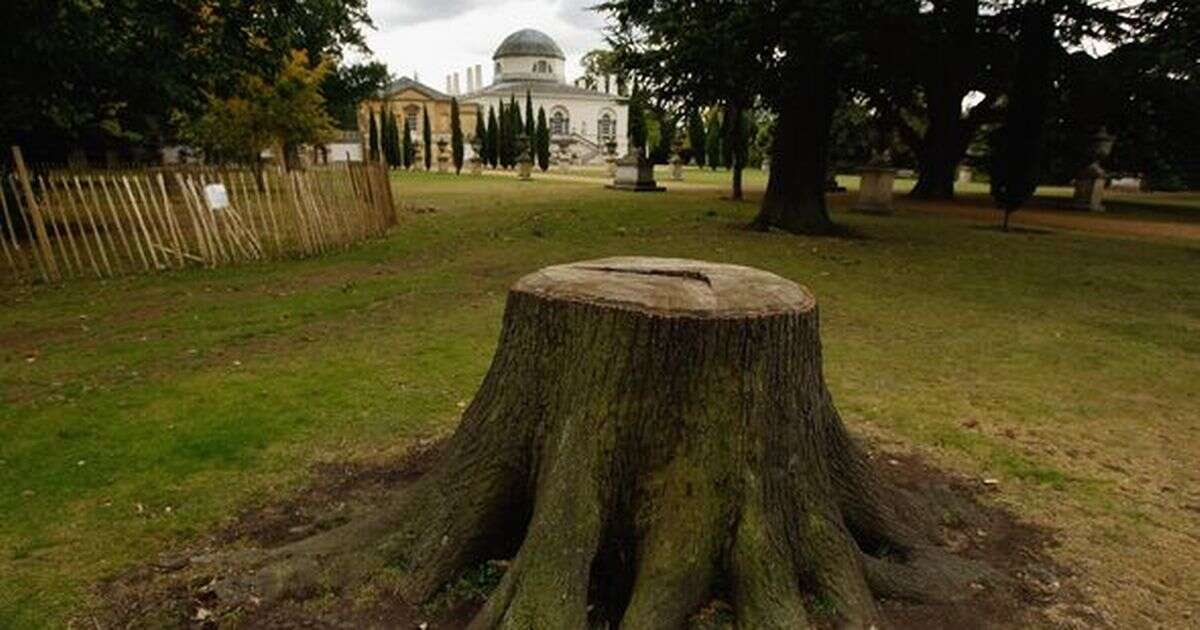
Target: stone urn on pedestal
476, 155
1089, 184
635, 173
831, 182
524, 159
418, 161
875, 187
676, 161
562, 156
443, 158
610, 157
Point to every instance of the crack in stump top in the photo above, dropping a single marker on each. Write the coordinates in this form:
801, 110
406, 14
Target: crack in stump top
670, 286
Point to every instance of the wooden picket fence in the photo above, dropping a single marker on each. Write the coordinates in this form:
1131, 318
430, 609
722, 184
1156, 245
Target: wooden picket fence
63, 225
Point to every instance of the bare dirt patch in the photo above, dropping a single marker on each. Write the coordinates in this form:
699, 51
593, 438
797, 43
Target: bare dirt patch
176, 591
978, 208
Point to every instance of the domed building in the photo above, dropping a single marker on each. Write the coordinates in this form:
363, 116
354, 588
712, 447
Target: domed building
582, 120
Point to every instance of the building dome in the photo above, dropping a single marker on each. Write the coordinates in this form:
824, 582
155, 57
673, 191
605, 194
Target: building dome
528, 42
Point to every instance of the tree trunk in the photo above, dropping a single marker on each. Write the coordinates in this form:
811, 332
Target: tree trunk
795, 197
733, 136
946, 85
652, 433
941, 151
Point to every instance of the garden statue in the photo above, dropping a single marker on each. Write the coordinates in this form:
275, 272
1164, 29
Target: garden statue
476, 155
1089, 184
524, 159
443, 158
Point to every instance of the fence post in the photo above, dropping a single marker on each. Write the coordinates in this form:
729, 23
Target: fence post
36, 214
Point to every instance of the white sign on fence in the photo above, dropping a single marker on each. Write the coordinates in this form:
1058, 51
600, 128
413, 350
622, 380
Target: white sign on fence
216, 197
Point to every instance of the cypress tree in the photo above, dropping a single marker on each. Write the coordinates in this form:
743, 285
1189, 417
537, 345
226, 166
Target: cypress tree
390, 140
637, 123
513, 112
373, 137
666, 138
697, 138
518, 126
384, 127
481, 133
529, 124
406, 147
1018, 143
502, 120
391, 150
713, 140
542, 136
427, 137
456, 137
493, 139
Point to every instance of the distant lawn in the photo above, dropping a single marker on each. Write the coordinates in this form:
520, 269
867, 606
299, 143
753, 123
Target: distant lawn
754, 178
138, 413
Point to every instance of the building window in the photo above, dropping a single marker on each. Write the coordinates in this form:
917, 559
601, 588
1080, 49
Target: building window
541, 67
606, 127
560, 123
411, 117
498, 69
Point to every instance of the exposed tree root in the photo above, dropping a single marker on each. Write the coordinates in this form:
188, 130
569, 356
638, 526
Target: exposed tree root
665, 421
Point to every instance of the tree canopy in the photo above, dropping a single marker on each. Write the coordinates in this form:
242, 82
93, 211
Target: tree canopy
283, 113
923, 82
119, 74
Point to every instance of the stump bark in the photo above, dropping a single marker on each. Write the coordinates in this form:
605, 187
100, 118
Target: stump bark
652, 434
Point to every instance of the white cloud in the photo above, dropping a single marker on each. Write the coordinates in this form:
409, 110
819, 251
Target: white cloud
438, 37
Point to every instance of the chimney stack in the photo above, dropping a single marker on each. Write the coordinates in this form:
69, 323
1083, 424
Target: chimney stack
478, 76
456, 84
470, 81
447, 84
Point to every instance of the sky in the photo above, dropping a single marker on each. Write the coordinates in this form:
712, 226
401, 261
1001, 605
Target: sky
437, 37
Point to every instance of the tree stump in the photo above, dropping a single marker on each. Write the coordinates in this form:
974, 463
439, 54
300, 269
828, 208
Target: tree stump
652, 433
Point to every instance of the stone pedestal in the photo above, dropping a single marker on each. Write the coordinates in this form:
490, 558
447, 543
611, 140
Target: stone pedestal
965, 174
677, 168
832, 185
476, 166
635, 173
875, 190
1089, 193
525, 169
443, 156
1089, 183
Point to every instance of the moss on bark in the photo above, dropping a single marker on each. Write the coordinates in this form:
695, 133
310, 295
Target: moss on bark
652, 433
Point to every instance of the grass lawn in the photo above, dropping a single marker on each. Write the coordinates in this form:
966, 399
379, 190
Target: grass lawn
1122, 202
139, 412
